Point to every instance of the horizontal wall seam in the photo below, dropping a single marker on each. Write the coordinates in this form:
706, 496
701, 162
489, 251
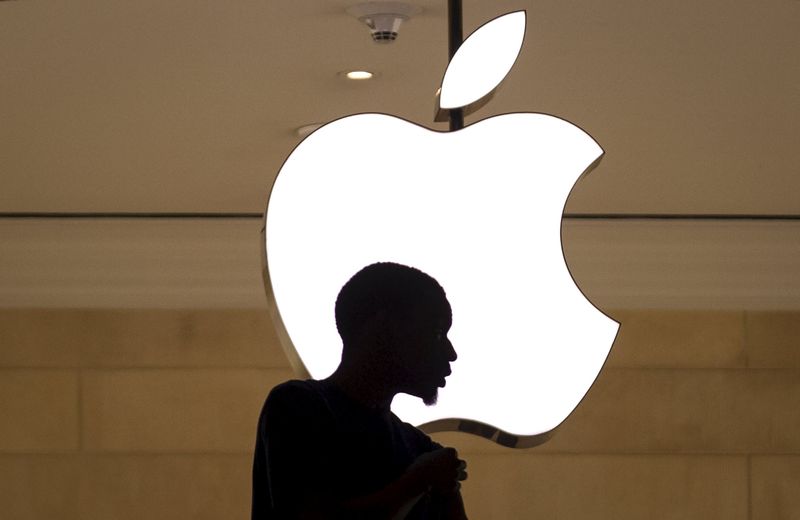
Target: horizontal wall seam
259, 216
515, 453
221, 368
115, 368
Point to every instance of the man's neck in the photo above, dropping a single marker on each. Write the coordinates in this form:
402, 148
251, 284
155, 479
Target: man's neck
363, 386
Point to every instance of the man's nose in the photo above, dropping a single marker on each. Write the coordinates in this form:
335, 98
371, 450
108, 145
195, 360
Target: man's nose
451, 352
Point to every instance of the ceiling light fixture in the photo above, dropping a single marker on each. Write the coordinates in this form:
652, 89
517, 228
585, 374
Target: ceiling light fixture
359, 75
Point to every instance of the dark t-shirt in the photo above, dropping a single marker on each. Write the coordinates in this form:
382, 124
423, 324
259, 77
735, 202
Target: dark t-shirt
315, 445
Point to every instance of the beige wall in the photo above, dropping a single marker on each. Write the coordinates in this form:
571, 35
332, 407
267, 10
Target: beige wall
151, 414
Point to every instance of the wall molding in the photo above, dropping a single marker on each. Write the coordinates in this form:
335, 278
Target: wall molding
193, 261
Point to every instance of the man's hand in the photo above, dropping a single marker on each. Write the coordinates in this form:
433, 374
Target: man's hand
438, 472
441, 470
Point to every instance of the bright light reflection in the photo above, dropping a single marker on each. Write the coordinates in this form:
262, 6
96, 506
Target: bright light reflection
359, 74
480, 210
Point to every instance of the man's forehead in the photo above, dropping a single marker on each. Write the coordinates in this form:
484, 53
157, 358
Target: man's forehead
434, 310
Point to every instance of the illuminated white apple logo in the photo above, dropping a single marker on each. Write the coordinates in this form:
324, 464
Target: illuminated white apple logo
480, 210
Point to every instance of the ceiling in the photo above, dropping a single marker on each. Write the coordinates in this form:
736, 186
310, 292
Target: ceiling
190, 106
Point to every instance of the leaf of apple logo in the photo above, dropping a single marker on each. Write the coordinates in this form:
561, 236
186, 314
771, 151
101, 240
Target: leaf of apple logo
480, 210
482, 61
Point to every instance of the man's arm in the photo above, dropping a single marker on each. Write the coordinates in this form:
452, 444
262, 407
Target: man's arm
438, 472
448, 489
454, 507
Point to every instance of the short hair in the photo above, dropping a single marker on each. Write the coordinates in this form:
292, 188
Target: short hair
393, 288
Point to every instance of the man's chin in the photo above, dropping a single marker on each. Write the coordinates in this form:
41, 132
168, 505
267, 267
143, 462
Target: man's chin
431, 399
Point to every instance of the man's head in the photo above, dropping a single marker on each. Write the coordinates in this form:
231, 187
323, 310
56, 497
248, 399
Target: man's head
394, 317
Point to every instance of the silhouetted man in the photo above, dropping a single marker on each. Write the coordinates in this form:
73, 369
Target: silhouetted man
332, 448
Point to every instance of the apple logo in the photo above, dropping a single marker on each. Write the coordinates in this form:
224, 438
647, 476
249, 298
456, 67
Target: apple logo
480, 210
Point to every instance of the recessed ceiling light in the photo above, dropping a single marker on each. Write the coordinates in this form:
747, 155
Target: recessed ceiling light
358, 74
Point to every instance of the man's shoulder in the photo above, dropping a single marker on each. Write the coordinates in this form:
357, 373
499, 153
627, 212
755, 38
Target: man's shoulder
296, 392
294, 404
416, 439
295, 386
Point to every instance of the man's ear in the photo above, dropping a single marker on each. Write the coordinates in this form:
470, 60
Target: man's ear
383, 329
377, 331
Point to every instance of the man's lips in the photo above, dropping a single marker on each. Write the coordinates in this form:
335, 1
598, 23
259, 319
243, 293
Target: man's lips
445, 373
